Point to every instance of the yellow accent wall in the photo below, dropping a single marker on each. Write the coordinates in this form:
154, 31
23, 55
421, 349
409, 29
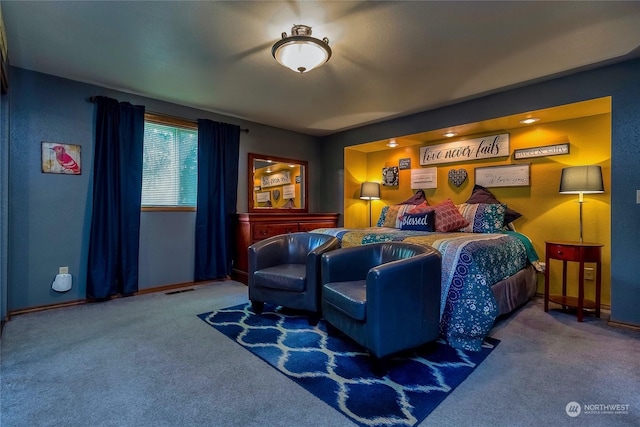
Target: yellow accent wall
547, 215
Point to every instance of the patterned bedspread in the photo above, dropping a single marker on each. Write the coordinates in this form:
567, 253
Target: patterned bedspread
471, 263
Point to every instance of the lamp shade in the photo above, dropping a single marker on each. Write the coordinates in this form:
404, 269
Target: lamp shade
300, 52
370, 191
581, 179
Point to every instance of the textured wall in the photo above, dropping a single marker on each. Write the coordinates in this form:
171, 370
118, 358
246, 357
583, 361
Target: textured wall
4, 204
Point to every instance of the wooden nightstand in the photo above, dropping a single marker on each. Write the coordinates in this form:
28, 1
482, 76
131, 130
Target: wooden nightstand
577, 252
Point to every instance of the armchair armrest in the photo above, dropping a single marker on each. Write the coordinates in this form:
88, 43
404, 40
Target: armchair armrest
412, 286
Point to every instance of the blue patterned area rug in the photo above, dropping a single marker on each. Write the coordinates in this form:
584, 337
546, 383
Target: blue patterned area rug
336, 370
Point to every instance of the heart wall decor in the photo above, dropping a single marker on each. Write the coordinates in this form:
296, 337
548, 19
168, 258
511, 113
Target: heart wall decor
276, 194
457, 177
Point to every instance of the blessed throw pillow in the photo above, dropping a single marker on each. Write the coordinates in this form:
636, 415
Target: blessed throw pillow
480, 194
422, 221
448, 217
483, 217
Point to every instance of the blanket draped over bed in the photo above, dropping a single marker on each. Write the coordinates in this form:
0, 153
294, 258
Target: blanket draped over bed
471, 263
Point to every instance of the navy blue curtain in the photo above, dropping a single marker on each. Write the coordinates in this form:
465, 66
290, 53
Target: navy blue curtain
117, 189
218, 153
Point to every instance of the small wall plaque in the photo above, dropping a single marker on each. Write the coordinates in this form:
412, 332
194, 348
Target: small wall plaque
503, 176
546, 151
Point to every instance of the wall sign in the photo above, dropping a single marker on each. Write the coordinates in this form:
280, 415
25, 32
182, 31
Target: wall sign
265, 196
548, 150
390, 176
424, 178
289, 191
404, 163
503, 176
278, 178
471, 149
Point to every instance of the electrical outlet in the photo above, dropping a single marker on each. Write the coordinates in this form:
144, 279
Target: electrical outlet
63, 270
588, 273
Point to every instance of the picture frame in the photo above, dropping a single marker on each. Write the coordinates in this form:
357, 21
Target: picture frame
59, 158
517, 175
390, 176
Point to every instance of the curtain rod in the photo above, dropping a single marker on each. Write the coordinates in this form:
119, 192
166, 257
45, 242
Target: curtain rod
95, 98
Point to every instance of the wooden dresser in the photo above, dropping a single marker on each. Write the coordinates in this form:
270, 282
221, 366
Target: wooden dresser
253, 227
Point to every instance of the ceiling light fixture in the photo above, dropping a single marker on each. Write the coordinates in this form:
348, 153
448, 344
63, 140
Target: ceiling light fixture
300, 52
450, 134
529, 120
392, 143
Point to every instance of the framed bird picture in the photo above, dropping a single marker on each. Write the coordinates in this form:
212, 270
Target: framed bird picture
61, 158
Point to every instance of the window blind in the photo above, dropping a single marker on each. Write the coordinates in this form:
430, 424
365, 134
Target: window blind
170, 166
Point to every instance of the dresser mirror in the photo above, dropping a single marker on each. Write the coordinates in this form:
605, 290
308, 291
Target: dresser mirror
277, 184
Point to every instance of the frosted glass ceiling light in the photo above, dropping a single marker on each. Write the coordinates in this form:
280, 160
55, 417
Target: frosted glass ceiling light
300, 52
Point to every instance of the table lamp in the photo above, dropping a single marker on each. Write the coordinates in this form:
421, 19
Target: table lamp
581, 180
370, 191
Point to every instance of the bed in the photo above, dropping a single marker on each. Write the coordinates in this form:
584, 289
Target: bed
484, 275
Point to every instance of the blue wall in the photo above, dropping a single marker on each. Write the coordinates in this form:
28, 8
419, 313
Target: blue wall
49, 215
4, 204
620, 81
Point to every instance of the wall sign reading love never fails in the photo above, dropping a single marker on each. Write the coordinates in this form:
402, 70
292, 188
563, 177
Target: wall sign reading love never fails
471, 149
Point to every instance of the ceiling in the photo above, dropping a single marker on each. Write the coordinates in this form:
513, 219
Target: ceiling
390, 59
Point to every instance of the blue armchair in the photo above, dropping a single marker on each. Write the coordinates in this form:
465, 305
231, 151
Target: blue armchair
384, 296
285, 270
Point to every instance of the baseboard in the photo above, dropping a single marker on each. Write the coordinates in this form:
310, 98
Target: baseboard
155, 289
45, 307
624, 325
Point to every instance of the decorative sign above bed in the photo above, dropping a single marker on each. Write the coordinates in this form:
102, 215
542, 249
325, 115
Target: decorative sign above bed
549, 150
278, 178
503, 176
471, 149
457, 177
424, 178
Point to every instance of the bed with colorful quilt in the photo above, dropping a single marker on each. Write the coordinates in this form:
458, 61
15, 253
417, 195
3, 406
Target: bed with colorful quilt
487, 269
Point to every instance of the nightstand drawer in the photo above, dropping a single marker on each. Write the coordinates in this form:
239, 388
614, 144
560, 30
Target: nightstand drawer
563, 252
262, 231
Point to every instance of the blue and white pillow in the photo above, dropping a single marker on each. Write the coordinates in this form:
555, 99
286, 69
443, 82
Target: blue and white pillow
483, 217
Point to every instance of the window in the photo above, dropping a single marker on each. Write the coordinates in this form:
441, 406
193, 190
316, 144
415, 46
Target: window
170, 163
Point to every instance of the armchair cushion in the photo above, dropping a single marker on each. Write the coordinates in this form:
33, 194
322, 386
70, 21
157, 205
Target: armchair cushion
348, 297
290, 277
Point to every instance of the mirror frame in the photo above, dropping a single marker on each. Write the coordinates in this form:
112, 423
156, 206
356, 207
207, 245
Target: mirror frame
252, 157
